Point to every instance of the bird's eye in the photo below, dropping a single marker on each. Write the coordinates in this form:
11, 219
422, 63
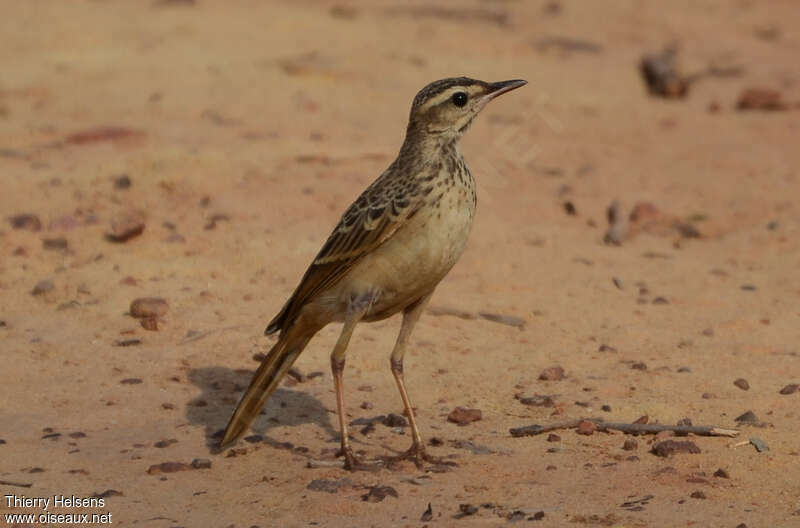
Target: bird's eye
459, 99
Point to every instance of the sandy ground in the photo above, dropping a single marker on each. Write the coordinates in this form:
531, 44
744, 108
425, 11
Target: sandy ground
245, 129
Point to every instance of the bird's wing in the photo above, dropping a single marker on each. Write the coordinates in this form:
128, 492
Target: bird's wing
370, 221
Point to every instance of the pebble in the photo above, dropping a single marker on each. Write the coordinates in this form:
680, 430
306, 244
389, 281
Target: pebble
509, 320
165, 443
789, 389
55, 244
395, 420
329, 485
698, 495
721, 473
131, 381
630, 445
670, 447
148, 307
427, 514
125, 226
463, 416
552, 437
107, 493
760, 99
378, 493
122, 182
43, 287
742, 384
552, 374
26, 221
167, 467
126, 342
747, 417
639, 365
201, 463
467, 509
586, 427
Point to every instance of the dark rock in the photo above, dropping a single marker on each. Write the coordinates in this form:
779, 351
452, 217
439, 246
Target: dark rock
122, 182
27, 221
378, 493
428, 514
698, 495
131, 381
721, 473
165, 443
395, 420
107, 493
201, 463
586, 427
666, 448
630, 444
167, 467
748, 417
329, 485
467, 509
55, 244
789, 389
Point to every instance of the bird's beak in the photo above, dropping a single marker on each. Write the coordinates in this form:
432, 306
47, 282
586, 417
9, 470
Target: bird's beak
499, 88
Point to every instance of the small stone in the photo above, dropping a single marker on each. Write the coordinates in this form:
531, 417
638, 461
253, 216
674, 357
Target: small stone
467, 509
789, 389
167, 467
131, 381
586, 427
126, 226
605, 408
366, 405
428, 514
26, 221
394, 420
77, 434
660, 300
747, 417
639, 365
552, 437
721, 473
552, 374
165, 443
107, 493
42, 287
254, 439
666, 448
759, 444
463, 416
742, 384
698, 495
606, 348
122, 182
329, 485
378, 493
761, 99
55, 244
630, 445
126, 342
643, 419
201, 463
748, 287
168, 406
148, 307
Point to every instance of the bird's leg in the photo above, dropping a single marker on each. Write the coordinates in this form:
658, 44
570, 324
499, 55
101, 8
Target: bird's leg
416, 452
357, 309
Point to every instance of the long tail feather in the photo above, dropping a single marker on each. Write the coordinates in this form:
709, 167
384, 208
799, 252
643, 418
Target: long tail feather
266, 379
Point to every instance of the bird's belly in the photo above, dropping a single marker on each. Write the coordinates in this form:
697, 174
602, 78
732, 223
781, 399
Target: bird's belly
413, 261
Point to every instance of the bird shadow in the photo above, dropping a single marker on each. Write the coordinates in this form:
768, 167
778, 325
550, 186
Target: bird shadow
221, 389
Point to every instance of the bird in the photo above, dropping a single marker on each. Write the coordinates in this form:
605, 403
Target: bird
386, 255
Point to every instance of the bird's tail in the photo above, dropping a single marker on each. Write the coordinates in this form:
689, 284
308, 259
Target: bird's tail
266, 379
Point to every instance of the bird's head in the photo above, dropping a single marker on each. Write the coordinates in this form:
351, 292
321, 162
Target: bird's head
446, 108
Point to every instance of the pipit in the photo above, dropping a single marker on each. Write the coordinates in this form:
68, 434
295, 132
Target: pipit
387, 254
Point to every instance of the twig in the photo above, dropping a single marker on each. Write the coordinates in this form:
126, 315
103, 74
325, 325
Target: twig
700, 430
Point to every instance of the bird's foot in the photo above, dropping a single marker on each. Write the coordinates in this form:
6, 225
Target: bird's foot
417, 454
349, 461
